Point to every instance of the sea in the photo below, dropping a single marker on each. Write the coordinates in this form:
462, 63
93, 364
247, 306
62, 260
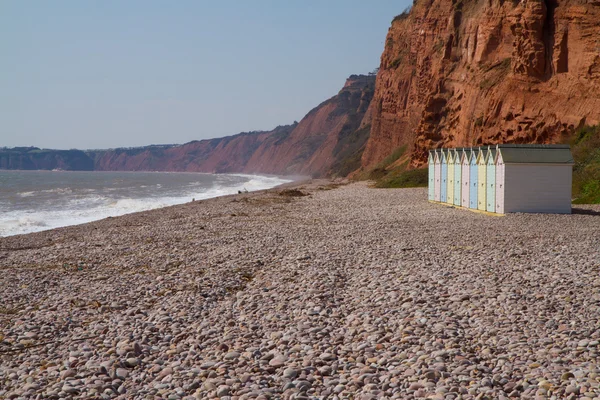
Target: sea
32, 201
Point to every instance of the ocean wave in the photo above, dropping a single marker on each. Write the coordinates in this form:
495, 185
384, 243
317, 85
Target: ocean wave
86, 206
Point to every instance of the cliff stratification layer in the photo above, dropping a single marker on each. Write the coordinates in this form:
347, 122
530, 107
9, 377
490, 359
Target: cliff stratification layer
466, 72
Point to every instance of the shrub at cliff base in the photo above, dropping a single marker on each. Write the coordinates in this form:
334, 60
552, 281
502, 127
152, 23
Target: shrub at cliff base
585, 146
393, 173
404, 179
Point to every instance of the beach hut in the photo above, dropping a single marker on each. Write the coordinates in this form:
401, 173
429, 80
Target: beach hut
465, 172
450, 180
490, 195
481, 179
499, 183
473, 175
431, 180
534, 178
457, 176
444, 176
438, 175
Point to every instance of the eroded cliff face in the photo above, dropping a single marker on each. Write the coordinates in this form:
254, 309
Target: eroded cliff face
470, 72
328, 140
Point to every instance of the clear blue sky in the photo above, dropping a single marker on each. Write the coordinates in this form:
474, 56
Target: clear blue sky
110, 73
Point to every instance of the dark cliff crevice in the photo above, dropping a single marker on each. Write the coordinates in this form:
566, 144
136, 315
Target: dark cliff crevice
562, 62
548, 34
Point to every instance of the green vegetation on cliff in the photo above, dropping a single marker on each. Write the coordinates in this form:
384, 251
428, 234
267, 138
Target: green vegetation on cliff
393, 173
585, 146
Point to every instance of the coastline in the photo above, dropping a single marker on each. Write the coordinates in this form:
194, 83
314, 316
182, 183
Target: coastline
33, 201
310, 289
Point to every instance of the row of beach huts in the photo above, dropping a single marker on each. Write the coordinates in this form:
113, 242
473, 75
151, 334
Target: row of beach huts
503, 178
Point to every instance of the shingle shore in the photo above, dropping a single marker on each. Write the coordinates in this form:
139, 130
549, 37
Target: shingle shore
349, 292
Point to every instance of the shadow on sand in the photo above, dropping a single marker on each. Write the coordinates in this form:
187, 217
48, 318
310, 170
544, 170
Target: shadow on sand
584, 211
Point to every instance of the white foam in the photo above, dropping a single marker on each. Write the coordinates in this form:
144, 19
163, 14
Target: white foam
92, 207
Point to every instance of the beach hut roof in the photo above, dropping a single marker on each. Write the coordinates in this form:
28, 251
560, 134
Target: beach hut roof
444, 154
474, 153
467, 153
450, 154
536, 154
491, 155
482, 155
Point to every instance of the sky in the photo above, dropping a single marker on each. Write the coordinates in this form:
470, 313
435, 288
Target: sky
111, 73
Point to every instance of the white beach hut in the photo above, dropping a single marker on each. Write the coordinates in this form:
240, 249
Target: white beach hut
450, 180
534, 178
481, 179
490, 195
465, 159
438, 175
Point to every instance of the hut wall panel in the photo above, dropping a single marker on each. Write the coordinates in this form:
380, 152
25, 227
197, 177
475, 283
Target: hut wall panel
500, 185
450, 184
490, 196
444, 179
538, 188
431, 186
481, 186
438, 181
473, 186
457, 182
465, 185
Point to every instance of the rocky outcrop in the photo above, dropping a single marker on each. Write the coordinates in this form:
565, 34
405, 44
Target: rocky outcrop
465, 72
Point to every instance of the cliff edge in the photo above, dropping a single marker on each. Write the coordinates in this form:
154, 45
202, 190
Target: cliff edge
466, 72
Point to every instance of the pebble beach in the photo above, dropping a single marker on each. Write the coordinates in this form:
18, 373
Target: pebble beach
318, 290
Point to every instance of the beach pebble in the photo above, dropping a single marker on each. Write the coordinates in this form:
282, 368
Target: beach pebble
350, 292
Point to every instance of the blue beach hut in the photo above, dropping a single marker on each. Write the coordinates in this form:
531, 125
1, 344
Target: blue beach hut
431, 187
457, 175
473, 178
444, 188
491, 180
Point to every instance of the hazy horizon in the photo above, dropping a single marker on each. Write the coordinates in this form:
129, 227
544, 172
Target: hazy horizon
110, 74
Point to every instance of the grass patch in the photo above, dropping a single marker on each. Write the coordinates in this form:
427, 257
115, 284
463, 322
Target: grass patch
382, 170
404, 179
392, 158
585, 146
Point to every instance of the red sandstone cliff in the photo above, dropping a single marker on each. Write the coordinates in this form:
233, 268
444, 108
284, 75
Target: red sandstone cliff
468, 72
328, 140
